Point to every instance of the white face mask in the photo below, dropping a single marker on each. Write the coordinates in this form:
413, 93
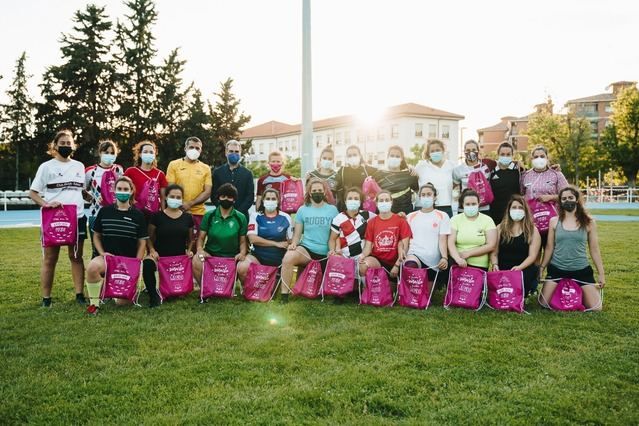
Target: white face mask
384, 206
326, 164
353, 160
174, 203
394, 162
517, 214
427, 202
471, 211
352, 205
107, 159
193, 154
270, 205
539, 163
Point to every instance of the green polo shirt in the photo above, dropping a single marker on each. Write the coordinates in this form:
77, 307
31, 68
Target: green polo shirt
223, 234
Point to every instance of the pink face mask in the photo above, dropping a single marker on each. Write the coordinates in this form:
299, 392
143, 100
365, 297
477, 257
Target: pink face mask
275, 168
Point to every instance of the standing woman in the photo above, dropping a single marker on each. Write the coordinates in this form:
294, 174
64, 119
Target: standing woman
436, 169
565, 254
269, 231
473, 235
108, 152
519, 243
119, 229
504, 181
472, 163
313, 221
352, 174
145, 172
60, 181
170, 234
399, 180
325, 170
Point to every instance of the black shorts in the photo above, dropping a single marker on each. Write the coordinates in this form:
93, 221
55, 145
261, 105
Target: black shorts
82, 228
431, 273
583, 277
265, 261
312, 254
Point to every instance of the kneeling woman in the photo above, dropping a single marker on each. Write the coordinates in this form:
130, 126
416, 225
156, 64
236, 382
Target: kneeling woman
313, 220
519, 243
119, 229
269, 231
473, 235
222, 232
170, 233
387, 238
565, 254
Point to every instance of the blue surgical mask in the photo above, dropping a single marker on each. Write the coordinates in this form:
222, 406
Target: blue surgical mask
270, 205
517, 214
436, 157
505, 161
147, 158
471, 211
233, 158
384, 206
107, 159
326, 164
427, 202
174, 203
352, 205
394, 162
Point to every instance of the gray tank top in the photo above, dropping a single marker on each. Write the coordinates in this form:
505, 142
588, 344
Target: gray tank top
570, 249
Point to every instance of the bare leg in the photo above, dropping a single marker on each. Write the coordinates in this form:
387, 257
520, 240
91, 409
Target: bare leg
546, 293
77, 267
591, 298
243, 266
49, 260
292, 258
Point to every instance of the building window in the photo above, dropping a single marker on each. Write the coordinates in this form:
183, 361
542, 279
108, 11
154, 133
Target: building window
432, 131
371, 136
271, 147
338, 138
594, 127
261, 149
380, 134
589, 108
419, 130
294, 146
318, 141
329, 139
347, 137
608, 108
361, 136
445, 131
395, 131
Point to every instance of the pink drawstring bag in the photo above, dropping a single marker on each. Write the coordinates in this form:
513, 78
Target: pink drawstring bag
176, 276
414, 289
107, 187
370, 188
59, 226
309, 282
292, 195
478, 182
339, 277
506, 290
218, 277
377, 291
259, 285
121, 278
149, 198
466, 288
567, 296
542, 213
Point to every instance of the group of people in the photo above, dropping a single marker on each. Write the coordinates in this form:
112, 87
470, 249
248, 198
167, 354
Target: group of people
408, 221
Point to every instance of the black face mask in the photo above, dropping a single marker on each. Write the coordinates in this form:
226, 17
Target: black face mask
471, 156
226, 204
317, 197
65, 151
569, 205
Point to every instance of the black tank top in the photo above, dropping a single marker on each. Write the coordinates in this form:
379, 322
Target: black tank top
513, 253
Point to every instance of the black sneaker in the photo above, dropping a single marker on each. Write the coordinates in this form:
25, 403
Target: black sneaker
284, 299
79, 298
338, 301
46, 302
154, 301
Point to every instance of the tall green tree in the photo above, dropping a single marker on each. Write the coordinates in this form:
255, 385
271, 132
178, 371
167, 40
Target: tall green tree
226, 122
196, 123
18, 117
621, 137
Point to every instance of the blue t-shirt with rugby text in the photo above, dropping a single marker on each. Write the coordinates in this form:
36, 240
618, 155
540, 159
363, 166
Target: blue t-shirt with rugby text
317, 226
276, 228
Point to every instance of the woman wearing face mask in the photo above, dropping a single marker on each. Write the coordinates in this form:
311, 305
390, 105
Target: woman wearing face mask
170, 234
96, 176
349, 227
519, 243
430, 228
145, 172
269, 231
542, 182
223, 231
387, 237
504, 181
325, 171
119, 229
274, 178
399, 180
565, 254
472, 163
473, 235
352, 174
313, 221
60, 181
436, 169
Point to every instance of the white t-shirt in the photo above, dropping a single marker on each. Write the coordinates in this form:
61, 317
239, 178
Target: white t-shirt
427, 227
62, 182
441, 177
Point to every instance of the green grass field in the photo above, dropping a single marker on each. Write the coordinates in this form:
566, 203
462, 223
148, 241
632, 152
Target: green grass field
621, 212
234, 362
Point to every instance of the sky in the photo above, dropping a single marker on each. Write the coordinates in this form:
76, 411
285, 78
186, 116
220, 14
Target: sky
480, 59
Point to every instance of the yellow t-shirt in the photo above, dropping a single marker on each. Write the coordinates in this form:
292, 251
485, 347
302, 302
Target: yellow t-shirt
193, 177
472, 234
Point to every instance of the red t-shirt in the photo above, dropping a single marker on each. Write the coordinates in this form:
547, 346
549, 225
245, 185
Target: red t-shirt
385, 235
268, 181
139, 178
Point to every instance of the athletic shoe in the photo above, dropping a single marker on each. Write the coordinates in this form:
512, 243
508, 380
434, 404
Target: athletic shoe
284, 299
92, 310
80, 299
46, 302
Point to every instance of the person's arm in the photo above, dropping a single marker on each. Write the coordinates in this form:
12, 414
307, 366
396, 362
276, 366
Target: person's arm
533, 252
452, 249
35, 196
243, 249
204, 195
171, 177
366, 251
249, 187
443, 252
595, 253
201, 237
550, 245
151, 242
333, 243
297, 235
491, 242
216, 186
402, 250
494, 256
141, 248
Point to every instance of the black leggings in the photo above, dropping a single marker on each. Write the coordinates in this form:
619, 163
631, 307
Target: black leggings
148, 274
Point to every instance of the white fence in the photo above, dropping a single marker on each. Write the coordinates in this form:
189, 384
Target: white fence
611, 194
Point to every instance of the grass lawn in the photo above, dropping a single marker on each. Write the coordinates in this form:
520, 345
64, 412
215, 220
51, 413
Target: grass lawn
622, 212
226, 362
